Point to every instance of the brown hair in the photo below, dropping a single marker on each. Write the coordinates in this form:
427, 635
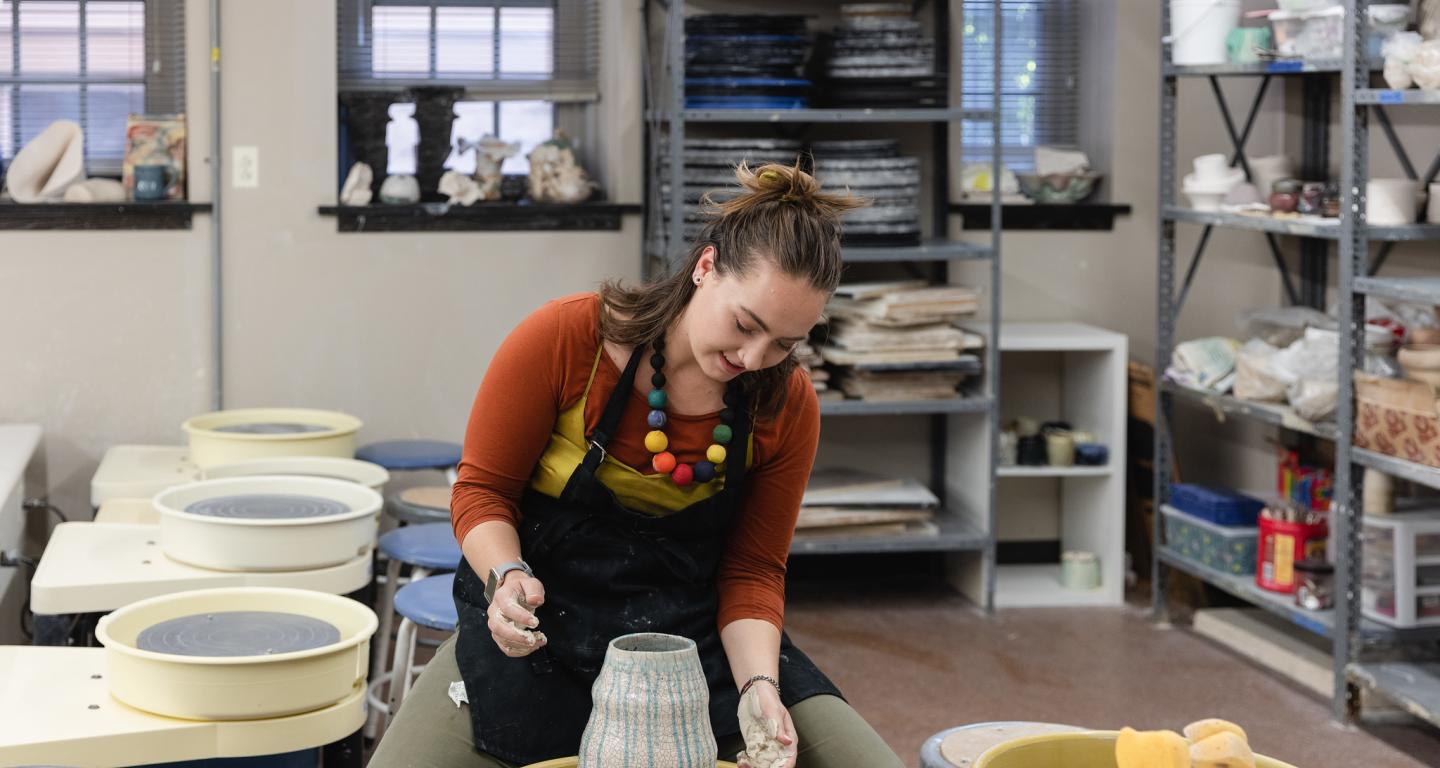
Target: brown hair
780, 215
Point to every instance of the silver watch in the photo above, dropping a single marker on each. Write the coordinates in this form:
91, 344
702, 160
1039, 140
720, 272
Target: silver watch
497, 575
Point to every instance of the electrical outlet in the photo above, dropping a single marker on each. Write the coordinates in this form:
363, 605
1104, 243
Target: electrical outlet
245, 169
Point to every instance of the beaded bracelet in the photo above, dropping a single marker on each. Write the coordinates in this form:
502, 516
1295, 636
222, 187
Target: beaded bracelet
756, 678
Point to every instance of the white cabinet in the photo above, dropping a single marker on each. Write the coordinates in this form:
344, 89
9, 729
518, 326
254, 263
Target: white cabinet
1075, 373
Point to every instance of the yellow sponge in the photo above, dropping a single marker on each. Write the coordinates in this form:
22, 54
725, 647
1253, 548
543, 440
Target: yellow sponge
1151, 749
1202, 729
1222, 749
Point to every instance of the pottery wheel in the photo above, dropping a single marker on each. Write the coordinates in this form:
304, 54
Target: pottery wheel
237, 633
273, 428
267, 506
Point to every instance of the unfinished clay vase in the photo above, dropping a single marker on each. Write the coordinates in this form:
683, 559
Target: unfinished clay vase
50, 163
652, 706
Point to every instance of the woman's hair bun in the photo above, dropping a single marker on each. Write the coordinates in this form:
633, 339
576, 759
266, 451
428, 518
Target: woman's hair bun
775, 183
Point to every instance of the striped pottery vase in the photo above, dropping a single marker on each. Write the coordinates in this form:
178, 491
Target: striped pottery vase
652, 707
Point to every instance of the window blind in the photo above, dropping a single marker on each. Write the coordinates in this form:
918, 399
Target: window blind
91, 61
1039, 77
496, 49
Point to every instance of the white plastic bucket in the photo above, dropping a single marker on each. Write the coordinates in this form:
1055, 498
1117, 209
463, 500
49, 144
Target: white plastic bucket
1198, 29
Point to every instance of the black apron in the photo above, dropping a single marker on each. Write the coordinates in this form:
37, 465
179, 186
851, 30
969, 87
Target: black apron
607, 571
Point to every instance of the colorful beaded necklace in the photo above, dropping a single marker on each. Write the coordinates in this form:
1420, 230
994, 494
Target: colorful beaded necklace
658, 443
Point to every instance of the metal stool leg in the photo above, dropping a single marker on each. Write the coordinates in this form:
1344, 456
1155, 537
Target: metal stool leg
400, 674
381, 663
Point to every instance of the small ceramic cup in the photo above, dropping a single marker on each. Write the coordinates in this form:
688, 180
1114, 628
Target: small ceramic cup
1032, 451
1060, 449
1080, 570
1209, 167
1009, 449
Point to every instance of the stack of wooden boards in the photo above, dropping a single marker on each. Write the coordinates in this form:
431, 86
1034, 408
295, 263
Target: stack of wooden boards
850, 502
899, 341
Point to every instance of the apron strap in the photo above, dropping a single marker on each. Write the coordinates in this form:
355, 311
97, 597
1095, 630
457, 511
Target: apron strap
614, 409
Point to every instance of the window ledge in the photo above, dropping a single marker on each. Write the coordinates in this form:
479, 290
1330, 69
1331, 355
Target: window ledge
1041, 216
480, 217
98, 216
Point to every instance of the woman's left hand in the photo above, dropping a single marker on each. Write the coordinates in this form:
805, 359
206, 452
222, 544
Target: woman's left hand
770, 740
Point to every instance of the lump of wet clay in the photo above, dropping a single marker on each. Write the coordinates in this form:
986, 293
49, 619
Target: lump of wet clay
1151, 749
1203, 729
762, 749
531, 636
1221, 749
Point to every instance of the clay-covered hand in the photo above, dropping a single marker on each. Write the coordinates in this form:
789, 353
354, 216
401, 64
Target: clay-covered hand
512, 615
770, 740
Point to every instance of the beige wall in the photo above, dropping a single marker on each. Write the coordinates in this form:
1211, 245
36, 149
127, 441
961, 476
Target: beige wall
107, 336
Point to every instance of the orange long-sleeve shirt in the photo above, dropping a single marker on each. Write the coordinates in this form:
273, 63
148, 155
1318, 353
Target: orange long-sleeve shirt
541, 369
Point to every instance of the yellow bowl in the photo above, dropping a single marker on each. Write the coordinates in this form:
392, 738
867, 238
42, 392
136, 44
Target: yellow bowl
1092, 749
573, 762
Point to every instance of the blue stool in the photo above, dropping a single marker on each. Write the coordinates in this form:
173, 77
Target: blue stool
424, 602
426, 548
403, 455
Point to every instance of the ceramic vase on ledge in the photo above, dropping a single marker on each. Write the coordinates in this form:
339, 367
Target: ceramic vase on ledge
652, 706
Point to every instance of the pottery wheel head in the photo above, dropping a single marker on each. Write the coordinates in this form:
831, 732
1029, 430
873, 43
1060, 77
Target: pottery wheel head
238, 633
267, 506
273, 428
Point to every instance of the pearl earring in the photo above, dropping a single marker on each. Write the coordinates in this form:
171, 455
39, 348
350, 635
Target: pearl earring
698, 279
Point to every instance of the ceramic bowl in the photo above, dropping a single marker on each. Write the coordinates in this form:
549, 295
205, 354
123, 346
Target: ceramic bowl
1420, 357
1059, 187
1205, 201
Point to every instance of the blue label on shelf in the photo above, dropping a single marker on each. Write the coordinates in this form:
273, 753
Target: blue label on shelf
1286, 66
1391, 97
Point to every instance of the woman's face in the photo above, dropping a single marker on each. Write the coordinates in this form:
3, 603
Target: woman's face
739, 324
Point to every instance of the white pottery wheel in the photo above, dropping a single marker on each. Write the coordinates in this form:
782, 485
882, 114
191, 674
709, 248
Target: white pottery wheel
222, 437
267, 522
366, 473
241, 686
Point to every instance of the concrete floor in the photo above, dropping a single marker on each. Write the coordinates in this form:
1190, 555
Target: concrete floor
915, 661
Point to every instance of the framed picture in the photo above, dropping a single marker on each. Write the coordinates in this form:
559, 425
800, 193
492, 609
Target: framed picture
155, 140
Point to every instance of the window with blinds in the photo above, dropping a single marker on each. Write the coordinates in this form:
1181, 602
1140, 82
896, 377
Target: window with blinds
516, 59
1039, 78
91, 61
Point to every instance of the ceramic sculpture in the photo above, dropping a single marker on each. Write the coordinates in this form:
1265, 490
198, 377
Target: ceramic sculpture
435, 118
460, 189
48, 165
652, 706
555, 176
366, 115
491, 153
400, 189
95, 191
358, 183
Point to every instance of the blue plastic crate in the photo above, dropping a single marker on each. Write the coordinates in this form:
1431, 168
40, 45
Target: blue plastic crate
1216, 505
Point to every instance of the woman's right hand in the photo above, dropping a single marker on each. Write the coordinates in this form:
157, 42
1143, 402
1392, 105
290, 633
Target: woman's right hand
511, 616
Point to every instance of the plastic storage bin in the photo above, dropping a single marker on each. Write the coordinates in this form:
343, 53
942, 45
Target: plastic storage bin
1229, 549
1216, 505
1315, 35
1400, 581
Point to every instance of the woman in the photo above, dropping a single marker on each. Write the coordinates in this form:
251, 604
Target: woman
635, 461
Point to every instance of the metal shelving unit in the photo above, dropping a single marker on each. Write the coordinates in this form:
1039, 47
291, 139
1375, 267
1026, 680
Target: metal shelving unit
1414, 685
967, 520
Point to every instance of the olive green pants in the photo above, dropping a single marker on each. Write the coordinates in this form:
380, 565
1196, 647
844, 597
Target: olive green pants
431, 732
